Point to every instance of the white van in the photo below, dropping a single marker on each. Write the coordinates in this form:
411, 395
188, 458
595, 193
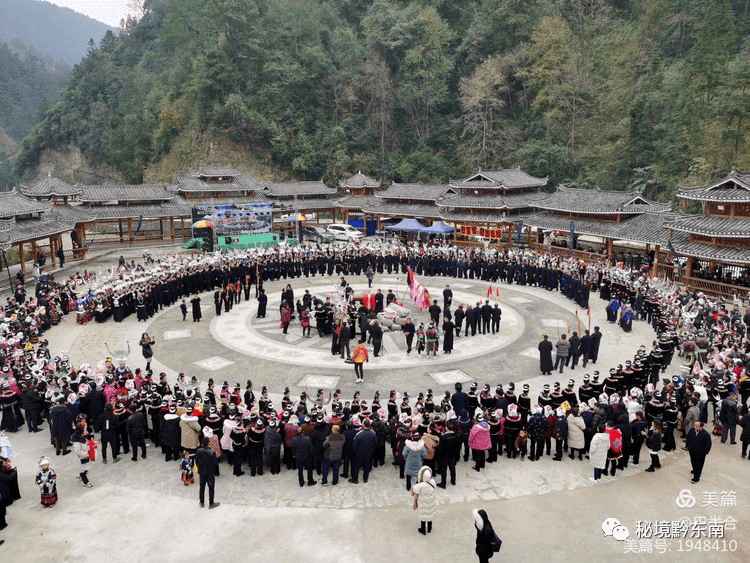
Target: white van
340, 231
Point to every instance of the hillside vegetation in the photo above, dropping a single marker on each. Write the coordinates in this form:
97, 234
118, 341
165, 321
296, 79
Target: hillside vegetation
59, 32
638, 94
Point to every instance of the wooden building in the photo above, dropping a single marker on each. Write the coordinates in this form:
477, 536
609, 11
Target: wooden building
717, 243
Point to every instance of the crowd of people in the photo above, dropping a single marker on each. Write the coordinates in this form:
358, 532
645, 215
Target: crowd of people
605, 418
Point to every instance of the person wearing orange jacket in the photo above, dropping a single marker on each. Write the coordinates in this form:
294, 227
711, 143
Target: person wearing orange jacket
360, 355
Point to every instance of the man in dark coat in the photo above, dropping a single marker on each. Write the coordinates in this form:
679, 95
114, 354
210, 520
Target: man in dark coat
108, 424
486, 317
32, 404
447, 335
169, 434
545, 356
596, 339
435, 311
376, 332
459, 400
698, 444
206, 462
497, 314
408, 330
586, 342
62, 426
136, 426
363, 448
195, 303
458, 319
302, 450
344, 341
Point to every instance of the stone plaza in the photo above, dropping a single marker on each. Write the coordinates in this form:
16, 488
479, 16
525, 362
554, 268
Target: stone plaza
547, 510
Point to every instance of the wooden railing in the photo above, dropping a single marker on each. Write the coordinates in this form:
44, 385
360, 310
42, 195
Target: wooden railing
717, 289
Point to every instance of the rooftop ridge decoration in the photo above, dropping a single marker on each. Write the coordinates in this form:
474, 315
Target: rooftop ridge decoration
359, 180
416, 191
597, 201
508, 178
303, 187
13, 203
215, 170
124, 192
49, 186
717, 192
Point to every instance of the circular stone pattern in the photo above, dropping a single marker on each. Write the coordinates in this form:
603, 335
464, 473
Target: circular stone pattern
241, 331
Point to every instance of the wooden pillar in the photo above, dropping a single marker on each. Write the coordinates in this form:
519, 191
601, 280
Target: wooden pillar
22, 258
161, 227
52, 250
364, 224
528, 237
610, 248
182, 228
455, 231
688, 271
377, 223
34, 255
171, 229
82, 240
119, 227
655, 266
130, 231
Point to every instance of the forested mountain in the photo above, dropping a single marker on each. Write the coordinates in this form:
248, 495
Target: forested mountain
30, 82
609, 93
58, 32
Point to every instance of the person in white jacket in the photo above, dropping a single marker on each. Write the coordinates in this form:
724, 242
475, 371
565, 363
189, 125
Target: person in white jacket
598, 453
576, 436
424, 499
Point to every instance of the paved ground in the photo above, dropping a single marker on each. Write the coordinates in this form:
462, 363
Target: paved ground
140, 509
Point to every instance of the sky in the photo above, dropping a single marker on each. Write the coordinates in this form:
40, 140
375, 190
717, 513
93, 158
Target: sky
107, 11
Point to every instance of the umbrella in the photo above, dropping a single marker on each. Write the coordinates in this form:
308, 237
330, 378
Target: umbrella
203, 224
298, 217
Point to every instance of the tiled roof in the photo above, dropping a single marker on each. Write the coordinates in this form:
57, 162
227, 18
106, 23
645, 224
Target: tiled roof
404, 210
598, 201
112, 192
647, 228
305, 204
710, 252
512, 201
424, 192
359, 180
50, 223
216, 170
249, 200
712, 226
195, 184
104, 212
282, 189
12, 203
50, 186
509, 178
357, 201
734, 187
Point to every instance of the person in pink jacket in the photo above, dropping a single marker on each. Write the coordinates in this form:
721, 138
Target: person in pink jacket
479, 441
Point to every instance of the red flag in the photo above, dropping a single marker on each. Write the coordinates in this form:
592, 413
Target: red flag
497, 292
489, 291
588, 311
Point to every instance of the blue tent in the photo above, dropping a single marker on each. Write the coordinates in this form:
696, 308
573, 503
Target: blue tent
439, 227
407, 225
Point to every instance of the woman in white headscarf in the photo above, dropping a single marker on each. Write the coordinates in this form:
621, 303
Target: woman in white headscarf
424, 499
